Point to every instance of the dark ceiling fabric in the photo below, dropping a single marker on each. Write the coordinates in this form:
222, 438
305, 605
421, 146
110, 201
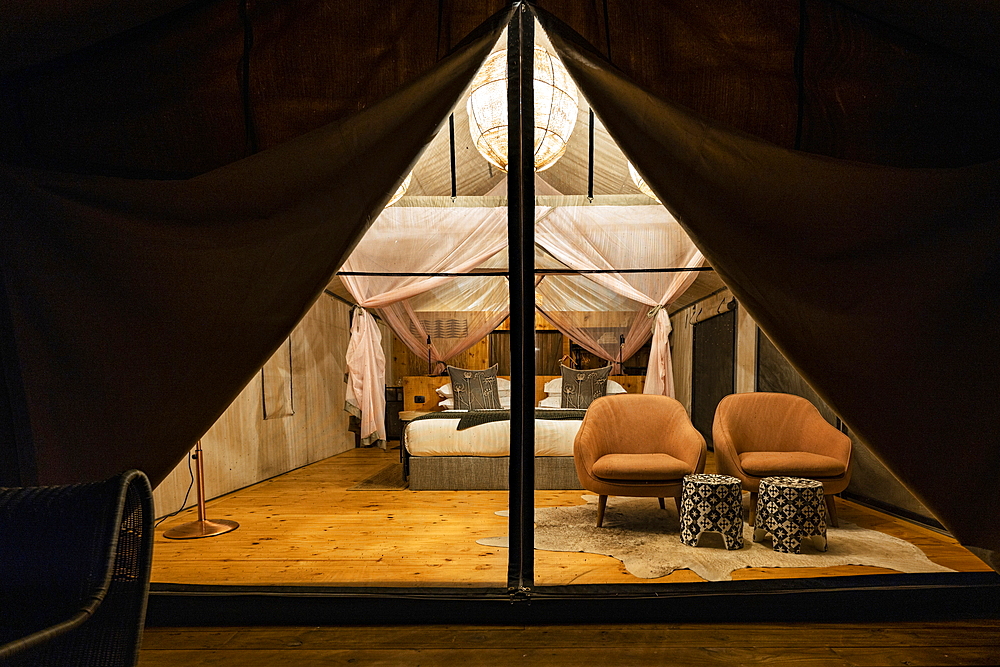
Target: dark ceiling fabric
872, 92
886, 82
35, 31
141, 308
880, 284
173, 98
967, 27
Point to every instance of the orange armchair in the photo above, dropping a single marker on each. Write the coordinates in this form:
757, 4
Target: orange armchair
636, 445
762, 434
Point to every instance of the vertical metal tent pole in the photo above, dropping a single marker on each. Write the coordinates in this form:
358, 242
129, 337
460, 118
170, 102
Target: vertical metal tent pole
451, 145
590, 158
521, 245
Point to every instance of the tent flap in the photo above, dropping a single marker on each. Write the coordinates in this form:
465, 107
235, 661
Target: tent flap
141, 308
837, 262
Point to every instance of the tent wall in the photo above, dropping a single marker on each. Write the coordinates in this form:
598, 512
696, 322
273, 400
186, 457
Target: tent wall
864, 275
682, 343
243, 447
871, 482
141, 307
208, 83
761, 367
912, 87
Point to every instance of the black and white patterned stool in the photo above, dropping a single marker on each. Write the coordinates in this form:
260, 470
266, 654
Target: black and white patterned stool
712, 503
791, 509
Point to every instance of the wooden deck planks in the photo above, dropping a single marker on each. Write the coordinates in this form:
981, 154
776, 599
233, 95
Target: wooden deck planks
305, 527
919, 643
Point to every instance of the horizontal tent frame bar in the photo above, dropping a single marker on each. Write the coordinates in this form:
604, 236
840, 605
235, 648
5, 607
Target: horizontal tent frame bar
552, 272
500, 201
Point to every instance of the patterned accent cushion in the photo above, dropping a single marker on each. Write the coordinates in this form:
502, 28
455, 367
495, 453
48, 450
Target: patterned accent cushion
554, 388
581, 387
475, 390
503, 387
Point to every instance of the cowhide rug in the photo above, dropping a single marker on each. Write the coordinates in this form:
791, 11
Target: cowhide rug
646, 540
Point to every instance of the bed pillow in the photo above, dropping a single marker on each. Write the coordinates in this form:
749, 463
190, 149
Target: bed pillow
475, 390
449, 403
580, 387
554, 388
550, 402
503, 388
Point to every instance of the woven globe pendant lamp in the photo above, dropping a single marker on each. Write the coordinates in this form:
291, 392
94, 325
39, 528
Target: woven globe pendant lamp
555, 112
401, 190
640, 183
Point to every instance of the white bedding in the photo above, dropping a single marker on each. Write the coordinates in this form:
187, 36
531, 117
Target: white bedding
439, 437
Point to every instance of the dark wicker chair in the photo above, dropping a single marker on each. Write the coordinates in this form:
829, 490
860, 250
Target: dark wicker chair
74, 572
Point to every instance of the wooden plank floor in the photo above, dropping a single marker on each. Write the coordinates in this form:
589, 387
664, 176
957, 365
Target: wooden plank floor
306, 527
813, 645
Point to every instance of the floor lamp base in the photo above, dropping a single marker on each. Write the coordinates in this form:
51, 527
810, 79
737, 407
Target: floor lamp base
195, 529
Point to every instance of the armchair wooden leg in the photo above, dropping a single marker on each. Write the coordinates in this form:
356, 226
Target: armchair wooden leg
662, 505
753, 508
831, 511
677, 502
602, 504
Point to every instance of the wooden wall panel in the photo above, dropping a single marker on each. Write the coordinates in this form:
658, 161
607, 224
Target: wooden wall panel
476, 357
242, 448
746, 352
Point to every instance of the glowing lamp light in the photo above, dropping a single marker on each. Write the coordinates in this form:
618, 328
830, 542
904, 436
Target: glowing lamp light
401, 190
556, 106
640, 183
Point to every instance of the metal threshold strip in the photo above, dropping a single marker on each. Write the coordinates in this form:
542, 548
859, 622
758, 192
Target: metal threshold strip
872, 598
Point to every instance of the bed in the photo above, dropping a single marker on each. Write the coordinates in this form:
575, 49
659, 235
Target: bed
446, 449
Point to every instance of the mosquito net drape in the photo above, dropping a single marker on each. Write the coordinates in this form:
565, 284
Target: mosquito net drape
608, 325
440, 316
837, 261
588, 238
428, 241
458, 314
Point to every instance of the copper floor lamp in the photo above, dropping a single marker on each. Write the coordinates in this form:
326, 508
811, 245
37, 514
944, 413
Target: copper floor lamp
202, 527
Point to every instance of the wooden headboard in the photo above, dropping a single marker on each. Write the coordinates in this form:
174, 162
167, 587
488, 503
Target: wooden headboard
423, 385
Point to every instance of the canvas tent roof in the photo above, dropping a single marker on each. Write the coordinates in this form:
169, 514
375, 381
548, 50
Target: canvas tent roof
836, 162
